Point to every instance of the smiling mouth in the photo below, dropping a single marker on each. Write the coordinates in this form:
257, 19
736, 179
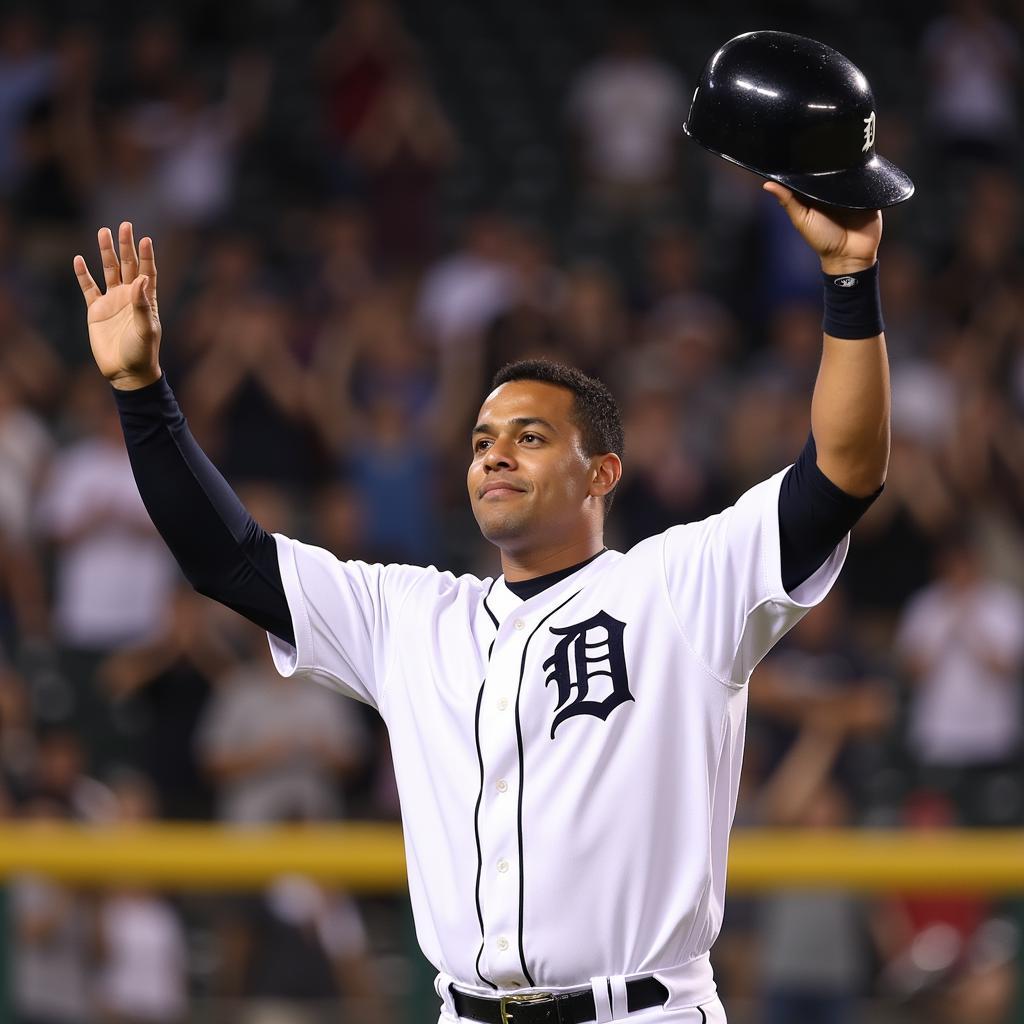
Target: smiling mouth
500, 491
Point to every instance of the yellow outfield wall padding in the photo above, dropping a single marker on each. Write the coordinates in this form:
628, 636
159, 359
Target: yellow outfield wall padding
369, 857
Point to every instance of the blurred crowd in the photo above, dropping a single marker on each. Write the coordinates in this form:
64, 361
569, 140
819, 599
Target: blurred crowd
341, 272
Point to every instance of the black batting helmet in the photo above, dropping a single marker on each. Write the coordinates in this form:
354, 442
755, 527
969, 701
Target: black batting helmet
798, 112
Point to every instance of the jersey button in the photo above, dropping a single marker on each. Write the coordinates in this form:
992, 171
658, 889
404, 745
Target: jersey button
519, 624
502, 786
503, 865
503, 704
503, 943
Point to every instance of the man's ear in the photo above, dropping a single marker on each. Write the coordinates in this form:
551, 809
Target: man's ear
607, 471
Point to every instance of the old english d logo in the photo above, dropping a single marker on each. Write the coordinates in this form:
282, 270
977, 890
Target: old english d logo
588, 652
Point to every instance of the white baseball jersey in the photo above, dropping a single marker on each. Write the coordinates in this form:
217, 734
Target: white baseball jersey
568, 764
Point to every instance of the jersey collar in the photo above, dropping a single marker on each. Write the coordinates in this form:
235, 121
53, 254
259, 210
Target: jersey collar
502, 602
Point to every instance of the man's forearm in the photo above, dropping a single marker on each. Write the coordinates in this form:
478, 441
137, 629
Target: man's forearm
850, 407
224, 553
850, 414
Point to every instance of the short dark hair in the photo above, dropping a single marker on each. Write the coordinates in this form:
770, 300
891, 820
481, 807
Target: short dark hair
595, 411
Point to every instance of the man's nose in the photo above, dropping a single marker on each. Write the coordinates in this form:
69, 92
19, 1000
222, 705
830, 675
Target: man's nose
500, 455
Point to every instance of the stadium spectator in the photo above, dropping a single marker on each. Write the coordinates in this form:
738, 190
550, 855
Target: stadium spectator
169, 678
294, 952
32, 365
973, 61
463, 293
339, 521
787, 278
388, 462
984, 261
947, 956
790, 360
369, 355
51, 926
250, 396
357, 61
377, 397
194, 140
153, 59
127, 181
820, 669
673, 285
341, 269
58, 152
142, 976
277, 749
911, 322
591, 322
27, 72
961, 641
528, 326
814, 954
897, 538
233, 268
113, 575
669, 481
626, 109
402, 148
26, 447
766, 426
60, 777
17, 737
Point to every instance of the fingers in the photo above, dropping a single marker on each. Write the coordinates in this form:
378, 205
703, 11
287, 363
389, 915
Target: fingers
147, 324
140, 298
85, 281
111, 265
796, 207
129, 258
124, 266
147, 265
781, 193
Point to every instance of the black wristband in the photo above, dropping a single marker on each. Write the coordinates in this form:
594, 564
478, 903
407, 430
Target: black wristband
853, 306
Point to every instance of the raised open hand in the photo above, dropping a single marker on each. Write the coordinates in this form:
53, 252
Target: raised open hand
124, 323
845, 240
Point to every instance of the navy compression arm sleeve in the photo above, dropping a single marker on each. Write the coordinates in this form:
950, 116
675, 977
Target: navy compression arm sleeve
814, 516
223, 552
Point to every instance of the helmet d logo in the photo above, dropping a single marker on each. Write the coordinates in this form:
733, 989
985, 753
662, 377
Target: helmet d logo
869, 132
590, 654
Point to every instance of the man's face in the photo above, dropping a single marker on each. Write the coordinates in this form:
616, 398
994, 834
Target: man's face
529, 480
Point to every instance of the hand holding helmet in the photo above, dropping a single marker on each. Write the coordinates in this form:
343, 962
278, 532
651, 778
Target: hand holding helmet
846, 241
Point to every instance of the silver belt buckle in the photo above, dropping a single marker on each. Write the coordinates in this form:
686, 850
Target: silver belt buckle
508, 1003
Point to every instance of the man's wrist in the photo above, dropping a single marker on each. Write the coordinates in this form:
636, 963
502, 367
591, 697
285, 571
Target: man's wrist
836, 266
853, 306
135, 381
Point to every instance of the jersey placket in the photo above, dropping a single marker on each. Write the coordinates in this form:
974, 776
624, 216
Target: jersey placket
500, 886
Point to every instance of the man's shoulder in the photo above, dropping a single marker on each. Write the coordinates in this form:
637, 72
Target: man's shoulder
735, 524
386, 575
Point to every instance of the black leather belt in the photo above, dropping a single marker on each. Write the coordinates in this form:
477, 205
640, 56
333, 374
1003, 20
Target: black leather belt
553, 1008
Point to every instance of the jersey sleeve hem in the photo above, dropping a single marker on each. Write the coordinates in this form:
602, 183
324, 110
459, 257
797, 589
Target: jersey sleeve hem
724, 583
803, 597
813, 590
288, 659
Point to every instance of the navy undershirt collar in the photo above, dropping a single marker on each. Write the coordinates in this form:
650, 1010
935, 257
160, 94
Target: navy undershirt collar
525, 589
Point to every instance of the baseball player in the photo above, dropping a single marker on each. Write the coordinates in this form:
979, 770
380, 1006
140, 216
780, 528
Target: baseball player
566, 737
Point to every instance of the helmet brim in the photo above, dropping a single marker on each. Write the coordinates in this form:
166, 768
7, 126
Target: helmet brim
872, 186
